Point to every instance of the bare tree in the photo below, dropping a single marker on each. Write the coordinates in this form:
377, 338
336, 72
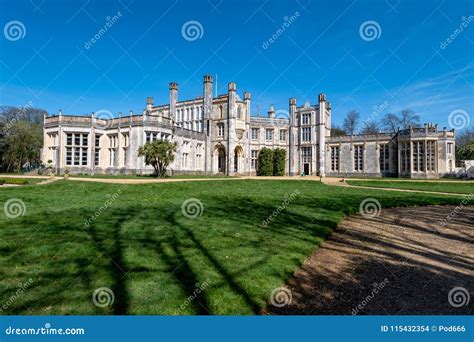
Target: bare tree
390, 122
409, 118
351, 121
370, 127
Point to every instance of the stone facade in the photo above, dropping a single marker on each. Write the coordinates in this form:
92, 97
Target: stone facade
219, 135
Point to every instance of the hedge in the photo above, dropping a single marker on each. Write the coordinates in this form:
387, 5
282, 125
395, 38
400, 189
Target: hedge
265, 162
279, 161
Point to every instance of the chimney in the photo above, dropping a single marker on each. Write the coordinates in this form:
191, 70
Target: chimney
271, 112
173, 100
149, 103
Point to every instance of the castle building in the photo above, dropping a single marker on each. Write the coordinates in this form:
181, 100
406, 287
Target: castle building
218, 135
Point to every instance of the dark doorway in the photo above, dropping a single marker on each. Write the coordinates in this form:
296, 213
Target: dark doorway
306, 168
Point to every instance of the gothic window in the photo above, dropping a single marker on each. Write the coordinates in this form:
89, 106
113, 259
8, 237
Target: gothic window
254, 157
282, 135
254, 133
335, 158
384, 158
220, 130
359, 158
239, 112
405, 154
430, 155
306, 154
305, 119
269, 134
306, 134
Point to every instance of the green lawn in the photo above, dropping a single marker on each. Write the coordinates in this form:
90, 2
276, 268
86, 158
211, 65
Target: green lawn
107, 176
20, 181
152, 257
466, 187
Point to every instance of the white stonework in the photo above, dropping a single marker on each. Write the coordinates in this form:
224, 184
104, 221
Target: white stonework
219, 135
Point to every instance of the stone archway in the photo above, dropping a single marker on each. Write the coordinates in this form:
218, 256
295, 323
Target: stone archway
219, 159
238, 159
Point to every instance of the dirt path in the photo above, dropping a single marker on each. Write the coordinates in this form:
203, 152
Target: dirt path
402, 262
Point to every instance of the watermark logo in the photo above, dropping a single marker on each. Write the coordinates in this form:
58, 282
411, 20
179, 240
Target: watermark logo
109, 22
466, 199
459, 119
377, 288
103, 297
280, 297
14, 208
287, 22
112, 198
199, 288
14, 30
370, 30
21, 289
192, 30
370, 208
465, 21
458, 297
192, 208
284, 204
103, 118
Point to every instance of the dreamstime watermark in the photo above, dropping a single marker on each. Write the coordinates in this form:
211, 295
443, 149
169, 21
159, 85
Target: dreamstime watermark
110, 21
377, 288
112, 198
459, 119
370, 208
192, 208
465, 21
458, 297
103, 118
199, 288
103, 297
377, 110
370, 30
14, 30
17, 116
46, 330
14, 208
280, 208
287, 22
21, 289
192, 30
466, 199
280, 297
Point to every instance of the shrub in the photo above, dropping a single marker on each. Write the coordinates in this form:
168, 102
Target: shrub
279, 162
17, 181
265, 162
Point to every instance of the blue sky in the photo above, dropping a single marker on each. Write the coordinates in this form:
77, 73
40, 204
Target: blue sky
406, 64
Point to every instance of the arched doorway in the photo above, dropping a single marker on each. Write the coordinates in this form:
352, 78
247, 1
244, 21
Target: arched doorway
219, 159
238, 159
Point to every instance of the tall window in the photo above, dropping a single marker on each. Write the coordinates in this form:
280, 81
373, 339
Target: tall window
220, 130
405, 157
254, 157
198, 155
184, 160
306, 134
450, 148
306, 154
418, 156
254, 133
335, 158
282, 135
269, 134
384, 158
359, 158
305, 119
430, 155
76, 149
239, 112
97, 150
113, 143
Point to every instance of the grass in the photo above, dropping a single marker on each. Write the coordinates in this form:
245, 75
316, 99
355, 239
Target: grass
107, 176
20, 181
460, 188
139, 244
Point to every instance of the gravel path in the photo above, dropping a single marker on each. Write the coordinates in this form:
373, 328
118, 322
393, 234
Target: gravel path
403, 262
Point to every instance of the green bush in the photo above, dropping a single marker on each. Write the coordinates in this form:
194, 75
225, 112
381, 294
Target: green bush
279, 162
265, 162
